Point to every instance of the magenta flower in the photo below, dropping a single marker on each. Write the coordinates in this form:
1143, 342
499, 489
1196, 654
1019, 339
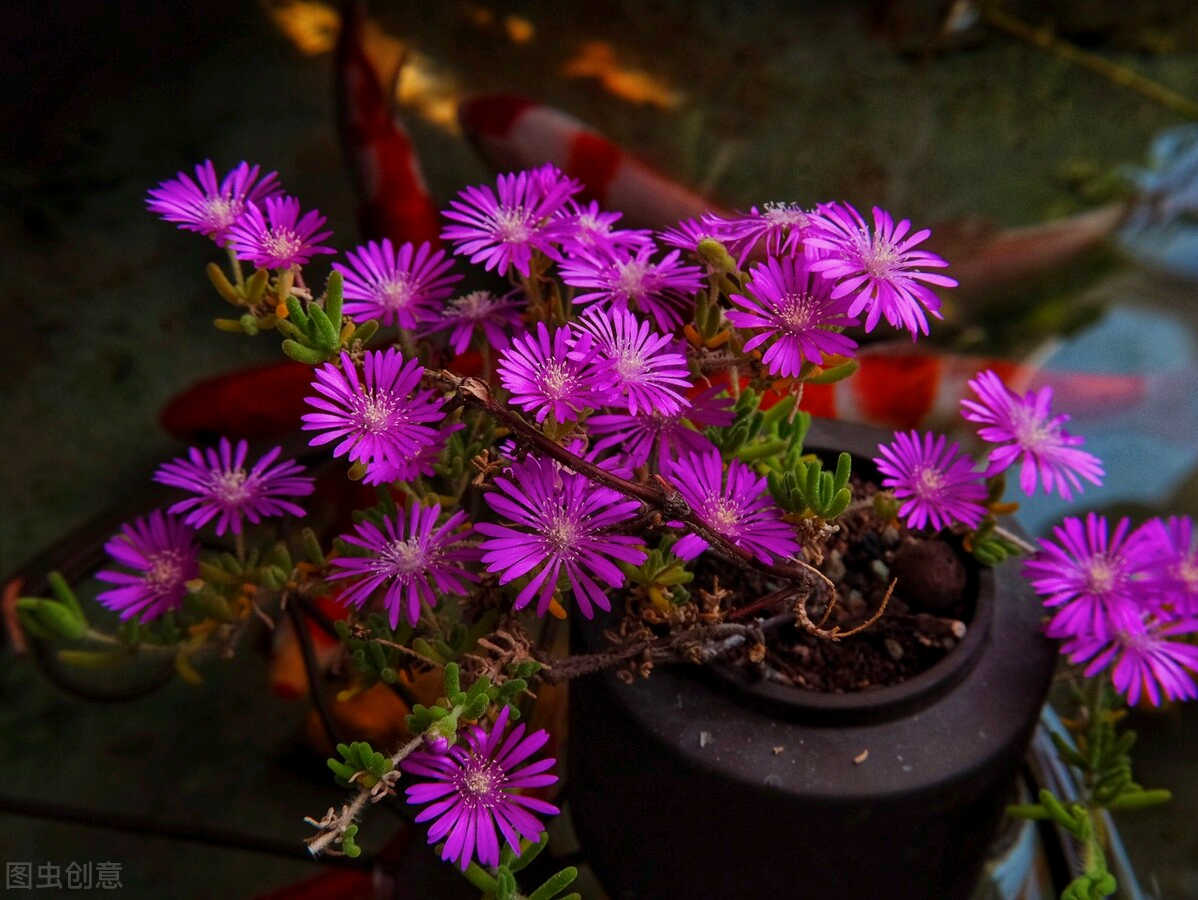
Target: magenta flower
164, 555
471, 794
627, 279
591, 230
409, 556
210, 207
635, 436
280, 239
421, 464
1147, 661
560, 521
1172, 579
380, 419
881, 270
937, 482
227, 491
497, 318
797, 313
646, 372
781, 228
403, 286
555, 373
689, 234
1090, 578
502, 232
736, 506
1027, 430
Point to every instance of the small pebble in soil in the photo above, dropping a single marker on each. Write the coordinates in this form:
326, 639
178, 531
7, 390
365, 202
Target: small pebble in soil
932, 573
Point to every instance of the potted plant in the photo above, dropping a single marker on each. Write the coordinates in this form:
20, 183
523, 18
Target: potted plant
629, 448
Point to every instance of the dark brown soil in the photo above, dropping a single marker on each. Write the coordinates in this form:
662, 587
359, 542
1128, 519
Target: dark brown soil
925, 618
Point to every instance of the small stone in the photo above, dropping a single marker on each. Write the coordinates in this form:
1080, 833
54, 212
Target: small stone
880, 569
931, 577
894, 649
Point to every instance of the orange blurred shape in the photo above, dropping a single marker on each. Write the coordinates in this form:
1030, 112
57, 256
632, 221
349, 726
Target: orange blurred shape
516, 29
598, 59
310, 25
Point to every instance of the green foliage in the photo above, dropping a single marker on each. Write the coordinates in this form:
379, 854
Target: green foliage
348, 845
61, 618
500, 884
314, 333
359, 764
989, 547
471, 704
807, 490
662, 574
1101, 754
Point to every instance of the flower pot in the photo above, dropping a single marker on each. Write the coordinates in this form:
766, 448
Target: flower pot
695, 784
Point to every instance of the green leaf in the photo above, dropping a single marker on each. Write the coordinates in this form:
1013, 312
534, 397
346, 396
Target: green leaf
452, 681
295, 312
59, 619
255, 287
222, 284
555, 884
529, 851
1141, 799
333, 299
324, 335
1058, 813
505, 884
306, 355
366, 331
835, 373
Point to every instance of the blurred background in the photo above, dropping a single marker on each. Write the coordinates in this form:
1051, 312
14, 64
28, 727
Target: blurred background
972, 131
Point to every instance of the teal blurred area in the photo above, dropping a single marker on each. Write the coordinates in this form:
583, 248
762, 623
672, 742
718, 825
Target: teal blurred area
107, 312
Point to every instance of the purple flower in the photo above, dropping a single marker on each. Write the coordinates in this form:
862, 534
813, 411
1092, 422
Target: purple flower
689, 234
503, 231
782, 227
409, 556
736, 506
1146, 661
379, 419
937, 482
164, 555
210, 207
561, 521
882, 271
1090, 578
403, 286
646, 373
554, 373
1172, 579
227, 491
629, 279
1025, 427
636, 435
496, 317
421, 464
798, 314
591, 230
280, 239
471, 793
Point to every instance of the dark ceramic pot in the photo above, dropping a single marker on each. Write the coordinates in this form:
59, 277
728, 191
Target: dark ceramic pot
690, 784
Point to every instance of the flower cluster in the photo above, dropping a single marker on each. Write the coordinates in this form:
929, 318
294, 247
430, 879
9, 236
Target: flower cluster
1124, 600
617, 409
